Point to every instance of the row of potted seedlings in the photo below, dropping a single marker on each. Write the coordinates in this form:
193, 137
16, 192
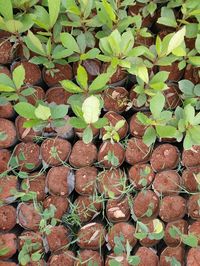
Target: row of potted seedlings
99, 133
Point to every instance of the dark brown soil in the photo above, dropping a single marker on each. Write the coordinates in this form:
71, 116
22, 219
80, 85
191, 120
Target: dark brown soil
4, 159
92, 67
125, 229
113, 118
8, 185
137, 151
38, 94
5, 70
60, 181
28, 217
28, 155
65, 258
8, 129
147, 257
165, 156
58, 238
87, 208
32, 72
182, 225
57, 95
141, 175
6, 110
85, 180
191, 157
7, 217
8, 241
172, 96
115, 99
146, 205
193, 257
118, 210
91, 236
7, 263
118, 76
116, 149
172, 208
175, 74
83, 154
176, 252
111, 182
137, 129
89, 256
136, 10
61, 204
193, 206
6, 51
62, 72
25, 134
167, 182
36, 182
191, 73
189, 181
55, 151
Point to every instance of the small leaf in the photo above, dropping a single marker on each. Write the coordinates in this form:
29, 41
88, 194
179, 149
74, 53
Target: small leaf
87, 135
69, 42
100, 82
186, 86
54, 8
157, 104
101, 122
190, 240
6, 9
42, 112
176, 40
82, 77
19, 76
59, 111
70, 86
91, 109
149, 136
120, 124
77, 122
142, 73
34, 44
25, 110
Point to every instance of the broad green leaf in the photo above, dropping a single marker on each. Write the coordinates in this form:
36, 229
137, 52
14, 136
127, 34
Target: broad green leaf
157, 104
43, 112
54, 8
142, 73
161, 76
100, 82
187, 143
34, 44
166, 131
70, 86
190, 240
176, 40
197, 90
91, 109
77, 122
137, 51
82, 77
197, 43
101, 122
186, 86
19, 76
6, 9
87, 135
6, 84
143, 118
59, 111
114, 40
158, 45
25, 110
149, 136
189, 113
194, 60
69, 42
109, 10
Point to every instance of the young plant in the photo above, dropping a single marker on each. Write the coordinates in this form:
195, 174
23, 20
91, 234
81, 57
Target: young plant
191, 93
48, 219
43, 115
10, 89
112, 131
30, 252
49, 54
188, 239
87, 115
159, 124
142, 230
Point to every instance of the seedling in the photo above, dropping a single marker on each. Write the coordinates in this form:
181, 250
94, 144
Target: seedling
11, 89
112, 131
142, 230
159, 123
190, 92
173, 261
48, 220
43, 115
188, 239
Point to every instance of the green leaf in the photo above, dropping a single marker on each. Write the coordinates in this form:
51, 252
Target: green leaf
6, 9
190, 240
82, 77
42, 112
176, 40
158, 45
134, 260
70, 86
77, 122
189, 113
6, 84
58, 111
157, 104
91, 109
197, 43
34, 44
149, 136
109, 10
36, 256
119, 124
166, 131
143, 118
54, 8
19, 76
87, 135
101, 122
187, 143
197, 90
186, 86
100, 82
25, 110
69, 42
161, 76
142, 73
194, 60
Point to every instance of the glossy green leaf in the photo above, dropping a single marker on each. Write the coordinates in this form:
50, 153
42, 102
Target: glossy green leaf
82, 77
87, 135
70, 86
43, 112
157, 104
19, 76
54, 8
